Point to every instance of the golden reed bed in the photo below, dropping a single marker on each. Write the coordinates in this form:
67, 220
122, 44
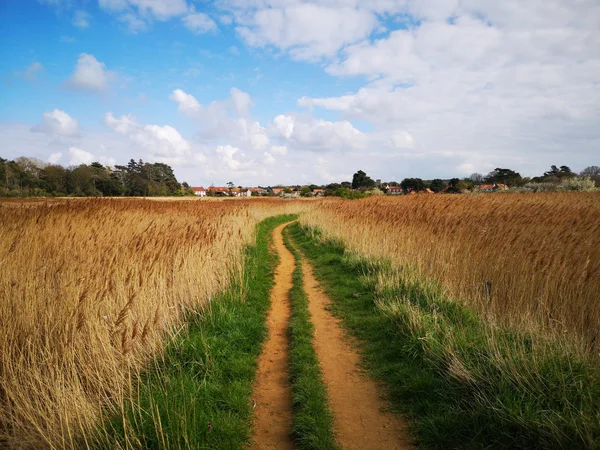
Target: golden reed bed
531, 260
90, 289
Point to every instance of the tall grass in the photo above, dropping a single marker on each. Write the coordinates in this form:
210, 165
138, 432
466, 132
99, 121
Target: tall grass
528, 260
91, 289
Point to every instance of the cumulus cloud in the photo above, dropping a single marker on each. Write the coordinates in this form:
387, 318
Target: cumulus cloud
81, 19
54, 158
308, 133
139, 14
33, 70
227, 153
268, 159
90, 74
241, 100
199, 23
307, 30
187, 102
481, 83
279, 150
163, 143
57, 122
78, 156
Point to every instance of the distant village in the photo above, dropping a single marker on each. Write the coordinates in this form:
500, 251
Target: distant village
333, 189
498, 180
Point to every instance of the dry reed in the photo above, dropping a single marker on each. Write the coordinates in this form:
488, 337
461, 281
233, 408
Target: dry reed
90, 290
529, 260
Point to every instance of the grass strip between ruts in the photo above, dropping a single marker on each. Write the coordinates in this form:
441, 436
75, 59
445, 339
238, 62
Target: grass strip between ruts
460, 385
312, 424
198, 396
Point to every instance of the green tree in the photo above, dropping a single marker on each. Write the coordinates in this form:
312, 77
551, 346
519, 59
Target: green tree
413, 184
593, 172
361, 180
305, 191
437, 185
504, 176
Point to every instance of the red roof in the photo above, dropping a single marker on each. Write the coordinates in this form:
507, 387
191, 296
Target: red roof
198, 189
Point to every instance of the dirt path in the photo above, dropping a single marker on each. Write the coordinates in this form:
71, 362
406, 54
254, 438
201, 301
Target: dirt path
359, 420
272, 391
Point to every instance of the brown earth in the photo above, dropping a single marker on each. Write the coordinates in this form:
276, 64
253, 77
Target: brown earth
272, 391
360, 419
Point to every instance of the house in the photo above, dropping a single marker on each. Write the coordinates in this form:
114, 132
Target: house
277, 191
235, 192
318, 192
199, 191
493, 187
218, 191
258, 191
395, 190
246, 193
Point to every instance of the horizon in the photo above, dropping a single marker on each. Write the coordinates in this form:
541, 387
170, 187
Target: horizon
269, 92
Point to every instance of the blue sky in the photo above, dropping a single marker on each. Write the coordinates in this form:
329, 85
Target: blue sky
291, 91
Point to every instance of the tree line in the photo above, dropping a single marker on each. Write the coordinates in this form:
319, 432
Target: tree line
588, 178
29, 177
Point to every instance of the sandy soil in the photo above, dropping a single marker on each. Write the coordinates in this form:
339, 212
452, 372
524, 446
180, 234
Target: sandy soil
272, 391
360, 419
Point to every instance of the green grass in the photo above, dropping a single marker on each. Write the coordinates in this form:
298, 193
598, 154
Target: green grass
312, 424
461, 382
198, 396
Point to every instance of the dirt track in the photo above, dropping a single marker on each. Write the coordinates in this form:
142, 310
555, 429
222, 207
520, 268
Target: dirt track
359, 418
272, 391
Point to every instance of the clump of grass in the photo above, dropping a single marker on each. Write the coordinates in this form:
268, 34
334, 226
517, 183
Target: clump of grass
465, 382
312, 424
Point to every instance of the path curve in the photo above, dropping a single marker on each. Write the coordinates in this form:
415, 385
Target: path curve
272, 390
360, 419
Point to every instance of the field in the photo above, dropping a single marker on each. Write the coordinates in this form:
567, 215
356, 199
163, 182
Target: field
94, 290
532, 261
91, 289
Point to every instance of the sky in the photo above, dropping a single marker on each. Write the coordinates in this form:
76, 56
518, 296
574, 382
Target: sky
266, 92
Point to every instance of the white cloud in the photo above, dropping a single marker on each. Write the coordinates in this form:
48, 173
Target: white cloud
199, 23
284, 125
227, 153
187, 102
55, 157
163, 143
81, 19
268, 159
79, 156
279, 150
33, 70
308, 133
159, 9
306, 30
139, 14
90, 74
57, 122
241, 100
